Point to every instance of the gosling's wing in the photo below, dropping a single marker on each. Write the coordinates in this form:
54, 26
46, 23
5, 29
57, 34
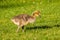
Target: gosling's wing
22, 16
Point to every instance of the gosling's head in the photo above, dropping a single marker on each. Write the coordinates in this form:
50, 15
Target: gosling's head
36, 13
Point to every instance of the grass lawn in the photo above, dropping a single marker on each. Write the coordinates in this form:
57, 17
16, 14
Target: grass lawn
45, 28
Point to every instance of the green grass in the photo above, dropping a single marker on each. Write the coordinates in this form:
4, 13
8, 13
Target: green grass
45, 28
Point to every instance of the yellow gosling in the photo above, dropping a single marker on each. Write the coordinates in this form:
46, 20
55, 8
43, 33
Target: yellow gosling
24, 19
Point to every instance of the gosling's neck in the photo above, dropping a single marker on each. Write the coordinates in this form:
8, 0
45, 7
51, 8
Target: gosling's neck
33, 16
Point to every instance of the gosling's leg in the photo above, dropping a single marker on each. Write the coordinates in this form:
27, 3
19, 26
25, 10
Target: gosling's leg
23, 28
18, 29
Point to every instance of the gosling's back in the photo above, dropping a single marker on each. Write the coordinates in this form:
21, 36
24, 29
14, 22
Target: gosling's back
23, 19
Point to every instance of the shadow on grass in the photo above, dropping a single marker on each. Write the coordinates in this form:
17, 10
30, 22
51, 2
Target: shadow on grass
42, 27
38, 27
57, 25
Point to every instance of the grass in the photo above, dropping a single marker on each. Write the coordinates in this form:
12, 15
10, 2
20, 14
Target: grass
45, 28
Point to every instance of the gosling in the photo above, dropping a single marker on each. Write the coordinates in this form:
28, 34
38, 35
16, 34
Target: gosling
24, 19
